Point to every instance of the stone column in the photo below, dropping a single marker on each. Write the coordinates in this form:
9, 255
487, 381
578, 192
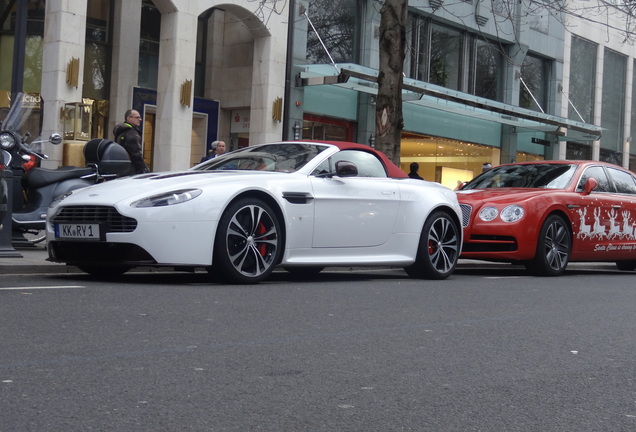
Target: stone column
125, 60
268, 83
61, 44
176, 66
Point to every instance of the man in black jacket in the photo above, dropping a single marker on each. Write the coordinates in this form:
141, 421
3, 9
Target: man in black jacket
128, 135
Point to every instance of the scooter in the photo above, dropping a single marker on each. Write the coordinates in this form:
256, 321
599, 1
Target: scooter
34, 188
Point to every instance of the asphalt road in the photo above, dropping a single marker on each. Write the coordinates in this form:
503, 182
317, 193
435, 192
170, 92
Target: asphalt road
486, 350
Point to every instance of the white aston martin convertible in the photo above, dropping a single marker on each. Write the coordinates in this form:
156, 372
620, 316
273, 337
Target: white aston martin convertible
301, 205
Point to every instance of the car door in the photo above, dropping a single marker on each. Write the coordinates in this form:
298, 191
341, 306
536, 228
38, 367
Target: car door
357, 211
622, 214
590, 215
604, 228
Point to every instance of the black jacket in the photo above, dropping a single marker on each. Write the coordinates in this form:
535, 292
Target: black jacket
130, 138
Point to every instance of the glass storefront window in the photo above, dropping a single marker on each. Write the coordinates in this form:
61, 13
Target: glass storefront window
326, 129
445, 161
535, 76
577, 151
33, 49
96, 52
149, 45
336, 23
445, 57
582, 80
487, 63
613, 109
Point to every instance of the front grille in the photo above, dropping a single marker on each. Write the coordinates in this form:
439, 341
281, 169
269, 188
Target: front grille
82, 252
490, 243
466, 211
103, 215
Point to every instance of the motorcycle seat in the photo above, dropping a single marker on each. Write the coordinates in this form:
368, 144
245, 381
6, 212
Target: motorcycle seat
40, 177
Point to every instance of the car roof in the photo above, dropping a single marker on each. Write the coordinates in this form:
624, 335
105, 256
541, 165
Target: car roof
568, 162
393, 170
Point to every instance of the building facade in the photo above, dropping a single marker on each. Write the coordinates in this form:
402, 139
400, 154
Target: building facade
485, 82
192, 68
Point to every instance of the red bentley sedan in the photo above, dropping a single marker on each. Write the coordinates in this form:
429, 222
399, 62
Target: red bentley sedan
545, 214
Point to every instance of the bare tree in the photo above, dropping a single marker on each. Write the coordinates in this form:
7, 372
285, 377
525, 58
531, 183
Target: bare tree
389, 120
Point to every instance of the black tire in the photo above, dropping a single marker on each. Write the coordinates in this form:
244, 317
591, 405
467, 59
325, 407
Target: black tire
626, 265
248, 242
438, 250
104, 271
553, 248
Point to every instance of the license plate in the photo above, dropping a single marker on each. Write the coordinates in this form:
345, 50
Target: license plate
77, 231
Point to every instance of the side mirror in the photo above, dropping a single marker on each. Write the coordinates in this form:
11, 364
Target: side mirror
346, 169
590, 185
55, 138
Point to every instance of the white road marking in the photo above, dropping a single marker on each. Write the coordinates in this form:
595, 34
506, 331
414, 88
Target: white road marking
504, 277
41, 287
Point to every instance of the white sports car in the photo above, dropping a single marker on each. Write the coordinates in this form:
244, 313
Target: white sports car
303, 205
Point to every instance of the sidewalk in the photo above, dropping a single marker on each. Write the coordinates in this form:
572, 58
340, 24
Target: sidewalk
34, 260
30, 260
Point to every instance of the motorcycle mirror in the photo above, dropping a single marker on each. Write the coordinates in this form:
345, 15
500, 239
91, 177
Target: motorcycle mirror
55, 138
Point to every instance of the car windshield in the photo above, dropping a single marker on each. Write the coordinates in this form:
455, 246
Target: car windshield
548, 176
285, 157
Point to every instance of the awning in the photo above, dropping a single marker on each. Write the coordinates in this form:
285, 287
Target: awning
364, 79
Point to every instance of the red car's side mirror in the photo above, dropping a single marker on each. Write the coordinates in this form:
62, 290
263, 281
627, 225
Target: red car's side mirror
590, 185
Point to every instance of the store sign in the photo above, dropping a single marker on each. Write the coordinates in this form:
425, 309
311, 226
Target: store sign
540, 141
240, 121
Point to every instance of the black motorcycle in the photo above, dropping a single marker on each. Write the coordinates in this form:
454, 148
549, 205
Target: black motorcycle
34, 188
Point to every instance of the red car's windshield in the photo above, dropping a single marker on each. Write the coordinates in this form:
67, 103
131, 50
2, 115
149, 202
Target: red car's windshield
549, 176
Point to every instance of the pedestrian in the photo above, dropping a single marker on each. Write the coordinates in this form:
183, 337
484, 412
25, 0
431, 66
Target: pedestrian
414, 168
485, 167
128, 135
217, 148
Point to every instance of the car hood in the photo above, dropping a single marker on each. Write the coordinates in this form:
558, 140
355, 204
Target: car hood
499, 194
145, 185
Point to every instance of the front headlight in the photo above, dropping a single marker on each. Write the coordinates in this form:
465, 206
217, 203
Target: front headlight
7, 140
512, 213
169, 198
488, 213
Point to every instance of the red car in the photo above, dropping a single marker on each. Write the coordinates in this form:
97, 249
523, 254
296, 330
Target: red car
545, 214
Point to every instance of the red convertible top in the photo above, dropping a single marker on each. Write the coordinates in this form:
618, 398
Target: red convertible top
393, 170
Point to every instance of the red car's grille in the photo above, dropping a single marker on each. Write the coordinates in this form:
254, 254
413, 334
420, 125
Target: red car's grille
466, 212
486, 243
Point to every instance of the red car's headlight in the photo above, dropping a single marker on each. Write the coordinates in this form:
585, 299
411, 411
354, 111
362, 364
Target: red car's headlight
512, 213
488, 214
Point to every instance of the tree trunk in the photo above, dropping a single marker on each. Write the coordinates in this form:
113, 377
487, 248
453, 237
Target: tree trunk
389, 120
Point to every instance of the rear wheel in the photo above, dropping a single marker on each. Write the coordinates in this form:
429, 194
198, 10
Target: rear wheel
553, 248
438, 249
248, 242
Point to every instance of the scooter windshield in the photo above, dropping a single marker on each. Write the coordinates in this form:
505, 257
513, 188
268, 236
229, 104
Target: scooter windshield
22, 104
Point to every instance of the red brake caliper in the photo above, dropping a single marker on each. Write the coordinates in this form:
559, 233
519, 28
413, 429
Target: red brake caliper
262, 247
